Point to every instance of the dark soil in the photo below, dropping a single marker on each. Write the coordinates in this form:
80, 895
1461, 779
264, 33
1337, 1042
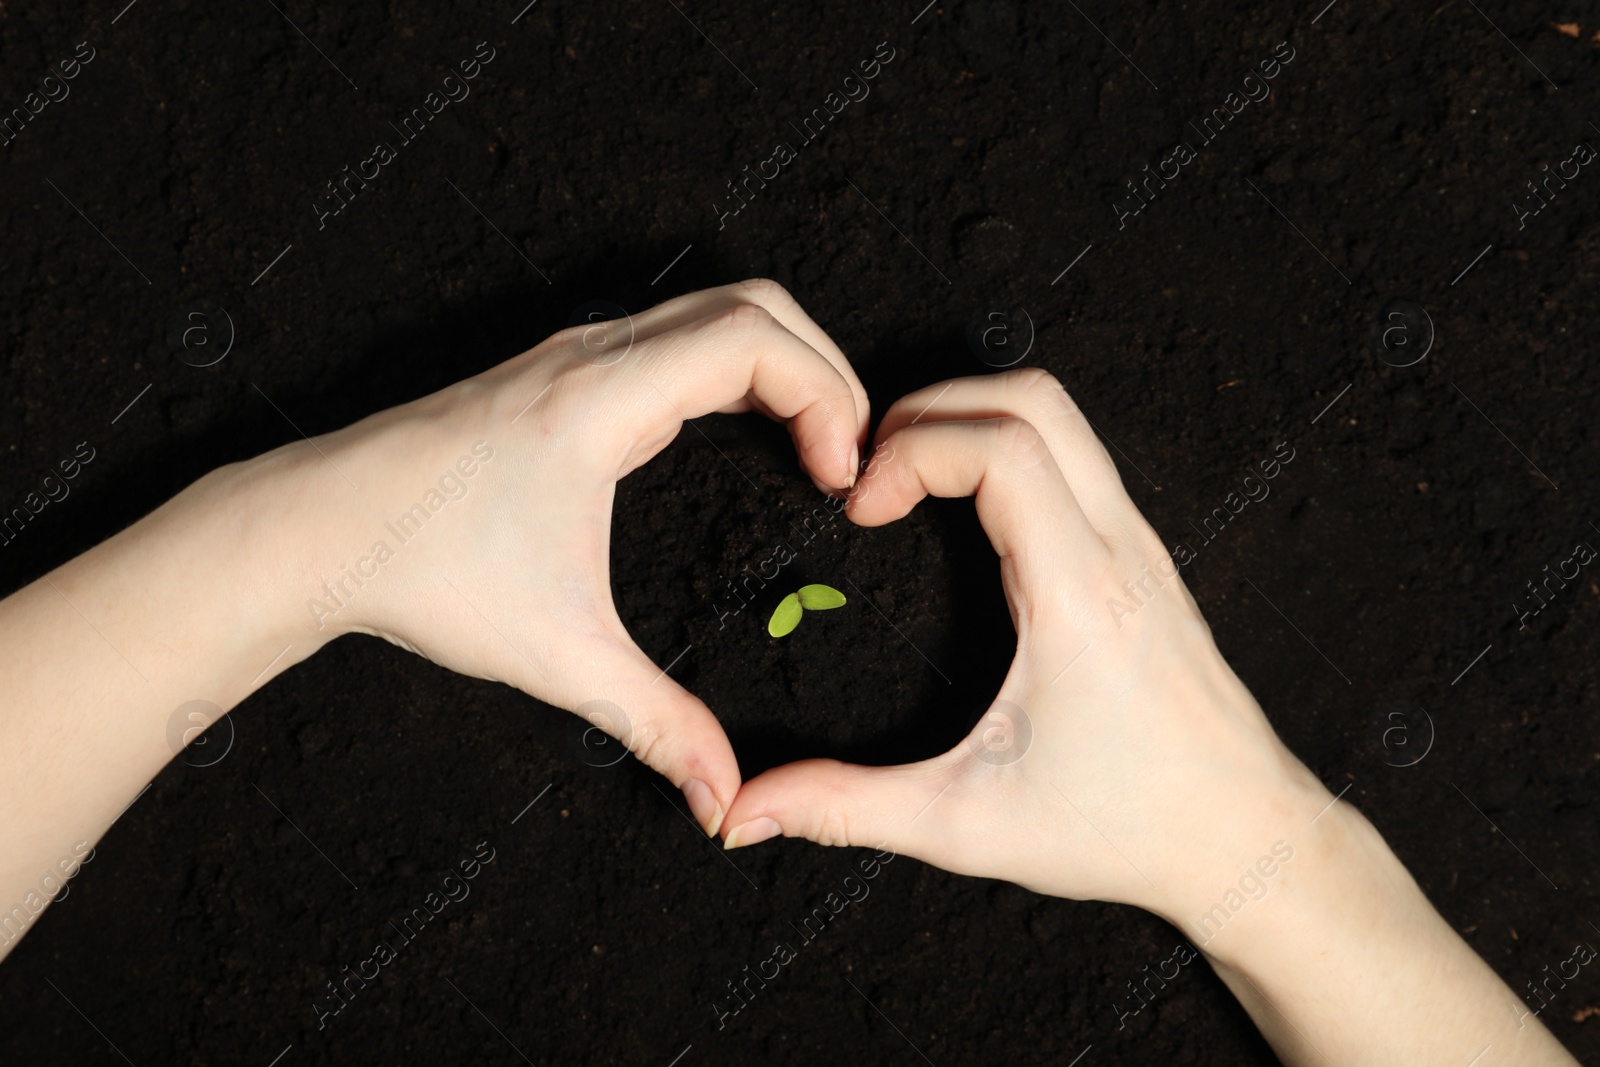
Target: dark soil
1220, 321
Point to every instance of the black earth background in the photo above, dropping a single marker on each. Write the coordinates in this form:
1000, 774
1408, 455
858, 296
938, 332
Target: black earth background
1368, 601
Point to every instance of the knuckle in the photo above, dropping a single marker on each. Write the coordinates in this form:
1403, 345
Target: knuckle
744, 320
597, 344
764, 291
1034, 379
1018, 441
642, 740
833, 827
1149, 545
568, 337
1048, 398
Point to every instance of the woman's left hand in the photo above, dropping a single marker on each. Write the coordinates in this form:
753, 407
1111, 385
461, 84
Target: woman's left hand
473, 526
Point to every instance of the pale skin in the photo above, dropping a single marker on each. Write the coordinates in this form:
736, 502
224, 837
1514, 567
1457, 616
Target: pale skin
1149, 774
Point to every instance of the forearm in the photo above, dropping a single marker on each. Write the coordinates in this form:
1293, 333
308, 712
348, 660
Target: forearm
186, 604
1345, 961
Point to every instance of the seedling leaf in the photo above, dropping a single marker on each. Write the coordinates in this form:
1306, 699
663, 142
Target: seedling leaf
820, 597
786, 617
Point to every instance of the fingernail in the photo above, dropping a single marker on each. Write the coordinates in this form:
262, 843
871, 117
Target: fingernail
855, 466
703, 804
752, 833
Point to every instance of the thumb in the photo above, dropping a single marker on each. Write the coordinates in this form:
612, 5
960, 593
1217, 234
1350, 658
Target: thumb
903, 808
665, 727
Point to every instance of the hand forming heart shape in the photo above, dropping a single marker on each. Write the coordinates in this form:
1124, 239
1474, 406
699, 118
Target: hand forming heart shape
546, 436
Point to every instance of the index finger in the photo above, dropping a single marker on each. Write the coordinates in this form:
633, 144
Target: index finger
742, 353
1033, 519
768, 294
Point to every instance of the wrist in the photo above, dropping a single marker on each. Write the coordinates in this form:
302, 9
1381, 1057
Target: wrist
1338, 870
265, 515
349, 518
1260, 827
1346, 959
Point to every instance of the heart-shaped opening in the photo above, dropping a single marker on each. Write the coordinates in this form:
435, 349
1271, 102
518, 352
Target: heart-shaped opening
708, 539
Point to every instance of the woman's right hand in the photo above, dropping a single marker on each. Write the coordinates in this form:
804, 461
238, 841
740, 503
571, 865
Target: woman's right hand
1122, 759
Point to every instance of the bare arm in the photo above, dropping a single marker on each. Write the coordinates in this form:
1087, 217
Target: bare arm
1346, 961
472, 526
1123, 760
186, 604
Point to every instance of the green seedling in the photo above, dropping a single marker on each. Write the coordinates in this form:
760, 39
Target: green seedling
794, 606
